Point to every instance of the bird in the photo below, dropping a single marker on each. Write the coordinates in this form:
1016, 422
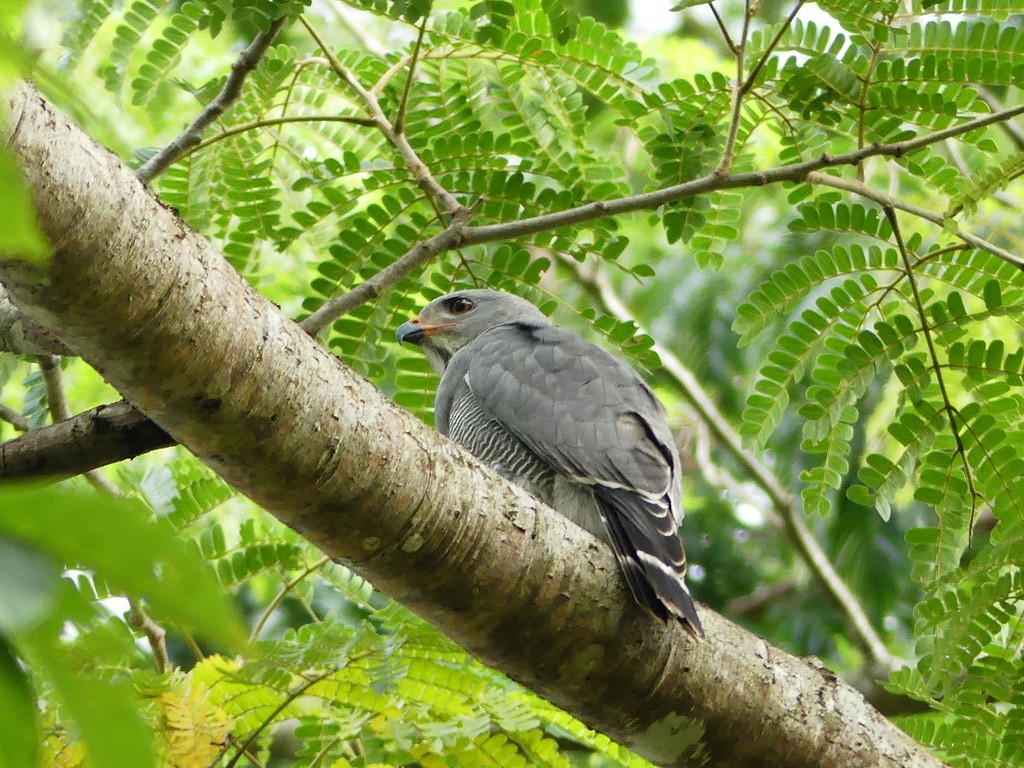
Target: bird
568, 422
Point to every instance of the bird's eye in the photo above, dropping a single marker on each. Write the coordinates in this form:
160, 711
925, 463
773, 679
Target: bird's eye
460, 305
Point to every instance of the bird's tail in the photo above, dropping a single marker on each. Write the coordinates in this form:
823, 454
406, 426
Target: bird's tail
650, 556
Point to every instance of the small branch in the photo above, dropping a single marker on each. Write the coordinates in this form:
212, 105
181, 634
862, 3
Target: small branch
56, 400
420, 254
14, 417
887, 201
283, 593
243, 749
229, 93
784, 504
740, 53
1014, 131
714, 182
269, 121
399, 126
766, 54
725, 30
926, 330
156, 634
744, 84
448, 203
95, 438
290, 696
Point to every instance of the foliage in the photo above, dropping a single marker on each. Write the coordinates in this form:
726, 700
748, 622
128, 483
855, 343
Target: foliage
882, 366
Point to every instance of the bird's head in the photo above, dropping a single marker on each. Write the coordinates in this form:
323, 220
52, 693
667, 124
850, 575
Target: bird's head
452, 321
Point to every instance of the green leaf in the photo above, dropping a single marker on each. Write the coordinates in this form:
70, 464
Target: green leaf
114, 538
107, 714
28, 582
18, 722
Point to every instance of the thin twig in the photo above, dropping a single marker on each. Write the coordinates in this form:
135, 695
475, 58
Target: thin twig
399, 124
888, 201
229, 93
740, 53
419, 255
283, 593
266, 122
773, 43
781, 500
14, 417
1014, 131
193, 645
57, 403
725, 30
744, 84
449, 204
926, 330
156, 634
243, 749
290, 696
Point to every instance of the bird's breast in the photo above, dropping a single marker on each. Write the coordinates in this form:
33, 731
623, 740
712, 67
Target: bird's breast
489, 441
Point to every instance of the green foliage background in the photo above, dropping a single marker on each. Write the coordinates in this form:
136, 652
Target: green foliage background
880, 372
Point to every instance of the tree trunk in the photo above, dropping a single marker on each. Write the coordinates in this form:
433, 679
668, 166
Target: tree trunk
158, 311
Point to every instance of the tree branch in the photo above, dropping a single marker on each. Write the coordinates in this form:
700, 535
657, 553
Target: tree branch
448, 203
23, 337
232, 89
100, 436
887, 201
14, 418
399, 124
165, 319
156, 634
421, 254
1014, 131
739, 90
57, 402
714, 182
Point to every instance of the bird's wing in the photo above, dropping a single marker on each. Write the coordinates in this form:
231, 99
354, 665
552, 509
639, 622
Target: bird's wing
594, 420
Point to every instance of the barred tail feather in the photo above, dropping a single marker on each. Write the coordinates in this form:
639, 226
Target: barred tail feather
652, 560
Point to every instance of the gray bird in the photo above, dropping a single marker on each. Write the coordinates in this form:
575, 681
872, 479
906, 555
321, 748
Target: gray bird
568, 422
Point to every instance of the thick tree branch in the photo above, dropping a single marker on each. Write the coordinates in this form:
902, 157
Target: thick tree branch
161, 314
193, 134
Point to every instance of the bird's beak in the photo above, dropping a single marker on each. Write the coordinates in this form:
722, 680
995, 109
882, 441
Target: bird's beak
415, 330
410, 331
